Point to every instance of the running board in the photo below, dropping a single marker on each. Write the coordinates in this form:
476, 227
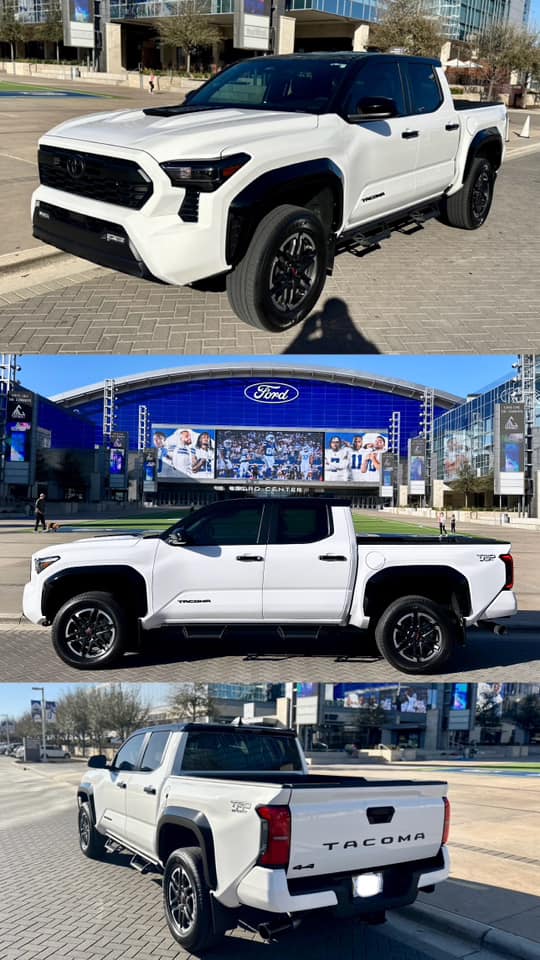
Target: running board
299, 633
141, 865
197, 632
372, 234
111, 846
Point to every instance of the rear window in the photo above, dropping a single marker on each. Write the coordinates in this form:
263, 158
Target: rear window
301, 523
234, 750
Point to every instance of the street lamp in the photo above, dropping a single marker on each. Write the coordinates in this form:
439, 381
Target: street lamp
43, 722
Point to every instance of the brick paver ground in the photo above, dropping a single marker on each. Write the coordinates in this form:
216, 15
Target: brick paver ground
56, 904
435, 291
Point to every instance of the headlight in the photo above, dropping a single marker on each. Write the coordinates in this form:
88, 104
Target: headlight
41, 563
204, 175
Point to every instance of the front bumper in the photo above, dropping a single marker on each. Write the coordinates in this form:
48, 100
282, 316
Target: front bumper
32, 602
270, 891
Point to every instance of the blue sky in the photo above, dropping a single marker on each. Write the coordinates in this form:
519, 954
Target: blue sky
15, 697
460, 375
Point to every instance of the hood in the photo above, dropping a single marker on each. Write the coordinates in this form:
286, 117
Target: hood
205, 134
101, 545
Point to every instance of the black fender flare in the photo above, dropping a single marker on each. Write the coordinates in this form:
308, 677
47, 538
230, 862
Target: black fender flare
127, 573
197, 823
489, 139
263, 194
435, 573
85, 794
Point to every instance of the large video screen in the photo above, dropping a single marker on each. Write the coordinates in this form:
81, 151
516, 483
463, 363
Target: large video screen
18, 441
457, 454
354, 457
269, 455
184, 453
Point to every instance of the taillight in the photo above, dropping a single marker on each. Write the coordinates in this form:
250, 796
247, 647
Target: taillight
275, 836
508, 561
446, 824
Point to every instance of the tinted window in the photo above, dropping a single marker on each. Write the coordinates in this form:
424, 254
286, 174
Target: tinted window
228, 524
426, 93
301, 523
376, 78
155, 749
236, 750
267, 84
127, 756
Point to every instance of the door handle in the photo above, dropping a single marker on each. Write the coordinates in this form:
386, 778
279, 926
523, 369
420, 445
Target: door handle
249, 558
410, 134
452, 126
151, 790
122, 785
331, 557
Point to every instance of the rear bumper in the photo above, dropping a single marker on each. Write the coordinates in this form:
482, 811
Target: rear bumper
270, 891
504, 605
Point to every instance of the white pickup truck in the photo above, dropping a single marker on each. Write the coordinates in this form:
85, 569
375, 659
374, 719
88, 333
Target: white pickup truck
244, 833
295, 563
265, 171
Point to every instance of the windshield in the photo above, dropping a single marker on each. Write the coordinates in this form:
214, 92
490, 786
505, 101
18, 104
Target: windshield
305, 85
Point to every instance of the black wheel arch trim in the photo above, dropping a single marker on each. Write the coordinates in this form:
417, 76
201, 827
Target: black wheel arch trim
53, 584
272, 188
197, 823
85, 794
422, 575
490, 137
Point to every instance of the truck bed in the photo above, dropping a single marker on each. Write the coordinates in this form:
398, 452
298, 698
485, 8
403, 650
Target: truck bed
310, 780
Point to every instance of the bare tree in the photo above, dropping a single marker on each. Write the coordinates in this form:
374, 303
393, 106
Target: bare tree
124, 710
189, 29
501, 48
191, 702
407, 25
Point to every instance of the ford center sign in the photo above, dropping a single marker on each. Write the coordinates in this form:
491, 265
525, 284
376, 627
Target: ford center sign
273, 392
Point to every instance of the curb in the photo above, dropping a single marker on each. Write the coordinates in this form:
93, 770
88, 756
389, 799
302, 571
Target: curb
12, 262
510, 945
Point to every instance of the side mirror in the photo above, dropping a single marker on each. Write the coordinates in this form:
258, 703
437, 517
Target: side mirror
98, 762
374, 108
179, 538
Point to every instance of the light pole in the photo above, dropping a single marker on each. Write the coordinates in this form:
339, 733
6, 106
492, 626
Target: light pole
2, 715
43, 722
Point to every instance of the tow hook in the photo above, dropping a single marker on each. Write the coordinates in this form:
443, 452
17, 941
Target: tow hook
497, 628
273, 928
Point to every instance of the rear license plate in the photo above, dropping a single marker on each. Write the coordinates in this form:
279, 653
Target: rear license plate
367, 884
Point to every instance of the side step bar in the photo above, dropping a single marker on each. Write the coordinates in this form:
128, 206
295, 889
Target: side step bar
374, 233
141, 865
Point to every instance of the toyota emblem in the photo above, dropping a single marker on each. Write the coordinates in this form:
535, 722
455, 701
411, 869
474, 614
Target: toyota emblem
75, 166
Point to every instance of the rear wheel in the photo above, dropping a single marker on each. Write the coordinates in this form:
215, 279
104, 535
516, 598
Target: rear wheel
91, 842
469, 207
186, 899
90, 630
417, 635
281, 276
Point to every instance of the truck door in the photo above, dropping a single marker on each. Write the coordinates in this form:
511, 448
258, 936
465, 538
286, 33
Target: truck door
382, 152
215, 573
111, 797
435, 119
144, 794
310, 563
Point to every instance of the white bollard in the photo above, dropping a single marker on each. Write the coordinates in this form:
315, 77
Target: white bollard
507, 128
526, 129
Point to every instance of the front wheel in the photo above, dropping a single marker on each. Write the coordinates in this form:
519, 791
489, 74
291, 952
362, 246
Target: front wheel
281, 276
186, 899
90, 630
417, 635
470, 206
91, 842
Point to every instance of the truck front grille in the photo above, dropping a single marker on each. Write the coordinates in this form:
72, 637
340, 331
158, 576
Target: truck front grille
111, 180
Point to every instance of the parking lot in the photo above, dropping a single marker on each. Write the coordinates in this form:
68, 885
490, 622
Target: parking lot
435, 290
76, 908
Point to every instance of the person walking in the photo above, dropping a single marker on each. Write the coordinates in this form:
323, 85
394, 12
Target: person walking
152, 83
39, 513
442, 523
453, 524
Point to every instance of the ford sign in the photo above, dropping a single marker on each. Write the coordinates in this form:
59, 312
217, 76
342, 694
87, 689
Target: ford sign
271, 392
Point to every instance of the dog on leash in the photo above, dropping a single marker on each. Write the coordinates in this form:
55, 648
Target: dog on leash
53, 526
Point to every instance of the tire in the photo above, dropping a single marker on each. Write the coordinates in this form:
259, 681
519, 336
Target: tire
91, 842
469, 208
186, 900
90, 630
275, 285
416, 635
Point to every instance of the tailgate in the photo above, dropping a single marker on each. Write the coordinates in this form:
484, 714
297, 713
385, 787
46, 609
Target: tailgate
357, 828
